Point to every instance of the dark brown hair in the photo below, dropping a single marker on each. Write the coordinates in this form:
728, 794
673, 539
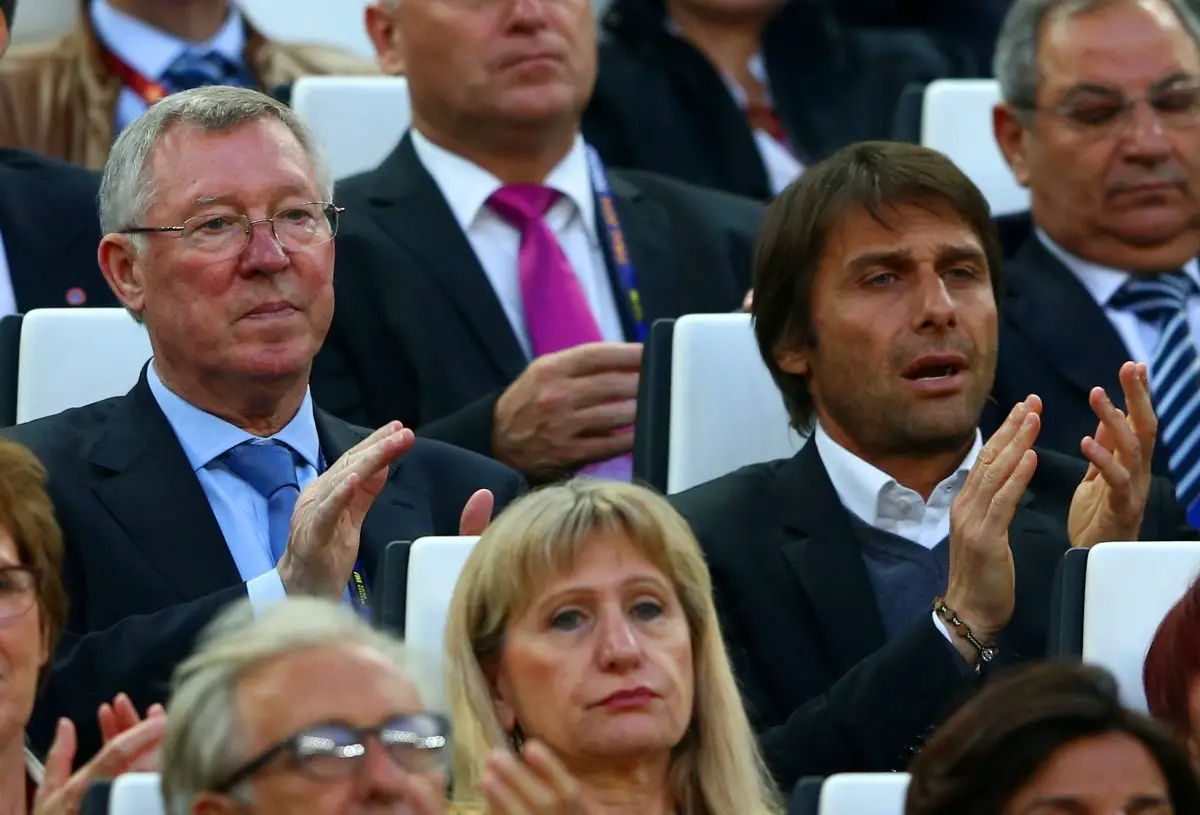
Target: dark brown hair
877, 177
1173, 664
1000, 739
27, 513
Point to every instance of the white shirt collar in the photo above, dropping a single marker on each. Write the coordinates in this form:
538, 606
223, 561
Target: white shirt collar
1101, 281
864, 489
150, 51
466, 186
757, 67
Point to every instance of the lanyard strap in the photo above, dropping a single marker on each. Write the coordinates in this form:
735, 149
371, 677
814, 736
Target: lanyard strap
359, 595
618, 249
147, 89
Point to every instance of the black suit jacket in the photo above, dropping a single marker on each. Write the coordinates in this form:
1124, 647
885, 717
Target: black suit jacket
660, 105
147, 566
419, 334
825, 689
51, 228
1055, 341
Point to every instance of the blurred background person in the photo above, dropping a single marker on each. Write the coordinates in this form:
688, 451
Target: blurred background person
583, 622
1171, 672
69, 97
1049, 738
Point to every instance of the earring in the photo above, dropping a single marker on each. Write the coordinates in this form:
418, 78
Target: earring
516, 737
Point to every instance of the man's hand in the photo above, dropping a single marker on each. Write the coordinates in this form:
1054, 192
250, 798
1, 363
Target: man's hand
121, 716
569, 409
61, 793
982, 583
477, 514
1111, 500
327, 522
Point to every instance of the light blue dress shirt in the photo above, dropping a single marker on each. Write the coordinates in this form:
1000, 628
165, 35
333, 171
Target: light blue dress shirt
150, 51
241, 511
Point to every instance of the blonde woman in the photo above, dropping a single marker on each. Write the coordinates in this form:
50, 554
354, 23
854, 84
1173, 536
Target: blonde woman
582, 636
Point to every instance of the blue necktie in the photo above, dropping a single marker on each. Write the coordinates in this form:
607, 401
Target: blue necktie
271, 470
191, 70
1161, 300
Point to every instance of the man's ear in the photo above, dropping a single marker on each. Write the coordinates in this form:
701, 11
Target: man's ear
793, 361
120, 263
1010, 131
210, 803
384, 31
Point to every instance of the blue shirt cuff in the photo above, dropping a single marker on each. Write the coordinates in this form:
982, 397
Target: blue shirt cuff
265, 591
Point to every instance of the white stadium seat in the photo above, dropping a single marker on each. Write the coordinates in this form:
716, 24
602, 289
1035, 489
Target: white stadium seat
136, 794
864, 794
358, 119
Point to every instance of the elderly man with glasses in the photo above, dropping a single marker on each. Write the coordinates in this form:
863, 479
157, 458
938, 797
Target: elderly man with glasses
215, 477
1100, 120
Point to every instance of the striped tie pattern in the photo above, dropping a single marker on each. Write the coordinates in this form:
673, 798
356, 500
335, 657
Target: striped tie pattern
192, 70
1161, 300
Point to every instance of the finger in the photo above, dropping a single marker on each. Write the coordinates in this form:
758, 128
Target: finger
156, 710
1003, 435
57, 769
423, 795
599, 389
1003, 505
1116, 427
329, 508
995, 475
595, 357
500, 797
127, 714
543, 763
1111, 470
477, 513
109, 728
382, 454
748, 301
1135, 382
119, 754
523, 783
603, 419
384, 432
590, 449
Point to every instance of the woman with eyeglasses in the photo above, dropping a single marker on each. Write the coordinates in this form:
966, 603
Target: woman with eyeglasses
582, 643
33, 610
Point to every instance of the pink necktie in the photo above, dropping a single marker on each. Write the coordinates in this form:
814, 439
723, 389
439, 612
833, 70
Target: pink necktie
557, 313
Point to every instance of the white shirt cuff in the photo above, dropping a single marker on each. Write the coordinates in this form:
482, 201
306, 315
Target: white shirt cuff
941, 626
265, 591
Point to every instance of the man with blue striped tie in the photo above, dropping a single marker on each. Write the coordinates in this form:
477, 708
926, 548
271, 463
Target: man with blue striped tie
1100, 119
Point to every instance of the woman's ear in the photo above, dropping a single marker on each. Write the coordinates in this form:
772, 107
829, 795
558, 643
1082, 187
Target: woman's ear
501, 691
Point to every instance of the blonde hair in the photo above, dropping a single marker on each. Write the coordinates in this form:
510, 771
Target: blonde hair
716, 769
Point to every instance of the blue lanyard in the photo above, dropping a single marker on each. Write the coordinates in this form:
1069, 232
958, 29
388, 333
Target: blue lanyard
618, 249
358, 584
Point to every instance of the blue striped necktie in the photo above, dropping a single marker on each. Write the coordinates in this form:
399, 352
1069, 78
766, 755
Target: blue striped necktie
1161, 300
270, 468
192, 70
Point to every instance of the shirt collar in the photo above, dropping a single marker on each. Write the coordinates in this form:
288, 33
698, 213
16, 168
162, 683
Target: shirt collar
861, 486
150, 51
204, 436
1101, 282
466, 186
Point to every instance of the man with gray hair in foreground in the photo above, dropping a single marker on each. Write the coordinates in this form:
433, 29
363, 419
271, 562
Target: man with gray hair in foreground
307, 709
215, 477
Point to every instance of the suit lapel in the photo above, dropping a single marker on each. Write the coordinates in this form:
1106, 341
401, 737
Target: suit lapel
408, 205
823, 550
1049, 305
150, 489
646, 228
398, 512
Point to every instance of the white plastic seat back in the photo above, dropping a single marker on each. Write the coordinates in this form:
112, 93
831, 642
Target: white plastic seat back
434, 564
38, 20
864, 794
1129, 588
725, 409
956, 119
341, 24
136, 794
358, 119
72, 357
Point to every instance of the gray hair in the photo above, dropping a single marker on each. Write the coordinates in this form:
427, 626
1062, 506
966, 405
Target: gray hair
127, 189
1016, 60
204, 745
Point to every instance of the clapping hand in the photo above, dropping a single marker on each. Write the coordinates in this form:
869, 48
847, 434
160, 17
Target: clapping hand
1111, 500
533, 783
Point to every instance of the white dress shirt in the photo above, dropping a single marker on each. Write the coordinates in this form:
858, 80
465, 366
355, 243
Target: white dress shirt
879, 501
782, 167
150, 51
1140, 337
8, 297
467, 187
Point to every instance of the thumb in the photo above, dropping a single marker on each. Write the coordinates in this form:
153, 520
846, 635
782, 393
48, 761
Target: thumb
477, 514
57, 769
748, 301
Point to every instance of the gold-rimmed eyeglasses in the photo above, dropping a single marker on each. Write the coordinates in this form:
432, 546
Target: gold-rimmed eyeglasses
224, 235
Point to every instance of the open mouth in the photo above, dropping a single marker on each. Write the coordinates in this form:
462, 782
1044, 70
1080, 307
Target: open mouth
933, 372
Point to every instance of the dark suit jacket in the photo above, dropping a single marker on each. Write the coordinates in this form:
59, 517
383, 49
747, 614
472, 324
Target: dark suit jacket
825, 689
146, 564
50, 228
660, 105
419, 334
1055, 341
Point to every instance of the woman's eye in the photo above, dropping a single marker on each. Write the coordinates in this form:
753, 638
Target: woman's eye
567, 620
647, 609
